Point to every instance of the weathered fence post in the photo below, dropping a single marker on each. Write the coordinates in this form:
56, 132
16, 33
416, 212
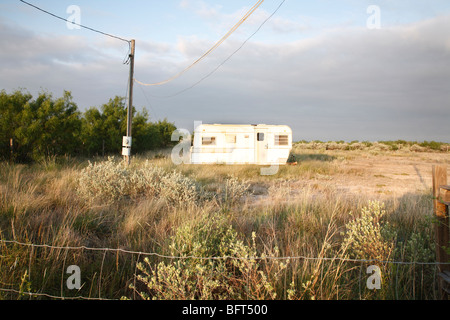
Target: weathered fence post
11, 146
441, 201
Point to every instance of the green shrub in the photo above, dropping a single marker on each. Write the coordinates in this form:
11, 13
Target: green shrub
433, 145
418, 248
231, 273
366, 237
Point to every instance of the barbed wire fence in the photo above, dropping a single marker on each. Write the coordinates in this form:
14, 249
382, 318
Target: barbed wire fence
20, 290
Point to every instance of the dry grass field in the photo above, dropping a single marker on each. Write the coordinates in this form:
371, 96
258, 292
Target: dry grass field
222, 232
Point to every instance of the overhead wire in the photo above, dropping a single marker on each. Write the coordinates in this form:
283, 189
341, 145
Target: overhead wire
72, 22
217, 44
229, 57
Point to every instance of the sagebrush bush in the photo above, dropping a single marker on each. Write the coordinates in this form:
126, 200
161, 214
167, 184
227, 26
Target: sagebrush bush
102, 180
366, 237
233, 190
234, 274
111, 180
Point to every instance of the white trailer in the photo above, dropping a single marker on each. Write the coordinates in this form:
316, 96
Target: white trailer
241, 144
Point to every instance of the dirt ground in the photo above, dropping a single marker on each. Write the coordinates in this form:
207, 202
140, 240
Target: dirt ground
388, 174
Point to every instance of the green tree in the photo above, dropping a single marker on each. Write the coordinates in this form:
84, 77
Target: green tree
102, 131
49, 127
92, 131
46, 127
115, 124
42, 127
11, 107
145, 134
165, 130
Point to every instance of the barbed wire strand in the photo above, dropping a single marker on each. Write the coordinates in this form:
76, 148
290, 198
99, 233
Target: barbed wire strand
300, 257
50, 296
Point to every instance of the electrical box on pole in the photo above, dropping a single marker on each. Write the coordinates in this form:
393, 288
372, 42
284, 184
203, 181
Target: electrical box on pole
126, 146
126, 142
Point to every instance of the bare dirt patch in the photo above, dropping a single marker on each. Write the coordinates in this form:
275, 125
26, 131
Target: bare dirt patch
390, 174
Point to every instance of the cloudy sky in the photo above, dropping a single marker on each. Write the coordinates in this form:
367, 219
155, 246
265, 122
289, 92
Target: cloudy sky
330, 69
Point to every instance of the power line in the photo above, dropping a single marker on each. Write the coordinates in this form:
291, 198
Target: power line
230, 56
72, 22
217, 44
149, 104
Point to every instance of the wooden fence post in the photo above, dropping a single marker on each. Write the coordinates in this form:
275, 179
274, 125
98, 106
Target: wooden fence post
441, 201
11, 146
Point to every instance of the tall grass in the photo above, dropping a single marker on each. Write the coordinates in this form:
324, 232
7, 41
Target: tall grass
212, 211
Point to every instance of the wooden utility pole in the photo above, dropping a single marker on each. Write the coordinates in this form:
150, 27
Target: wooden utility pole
441, 201
126, 142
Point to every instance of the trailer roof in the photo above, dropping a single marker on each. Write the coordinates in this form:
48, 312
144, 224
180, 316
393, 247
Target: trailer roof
243, 125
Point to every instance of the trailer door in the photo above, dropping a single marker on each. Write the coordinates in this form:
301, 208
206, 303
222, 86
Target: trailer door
262, 145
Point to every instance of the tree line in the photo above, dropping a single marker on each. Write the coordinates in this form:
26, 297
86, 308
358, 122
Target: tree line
33, 129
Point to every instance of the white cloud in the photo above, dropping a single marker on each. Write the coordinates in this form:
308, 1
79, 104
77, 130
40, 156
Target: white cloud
184, 4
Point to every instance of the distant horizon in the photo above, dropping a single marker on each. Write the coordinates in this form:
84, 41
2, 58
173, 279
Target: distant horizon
190, 128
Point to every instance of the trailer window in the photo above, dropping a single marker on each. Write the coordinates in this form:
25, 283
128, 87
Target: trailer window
230, 138
281, 140
209, 141
260, 136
